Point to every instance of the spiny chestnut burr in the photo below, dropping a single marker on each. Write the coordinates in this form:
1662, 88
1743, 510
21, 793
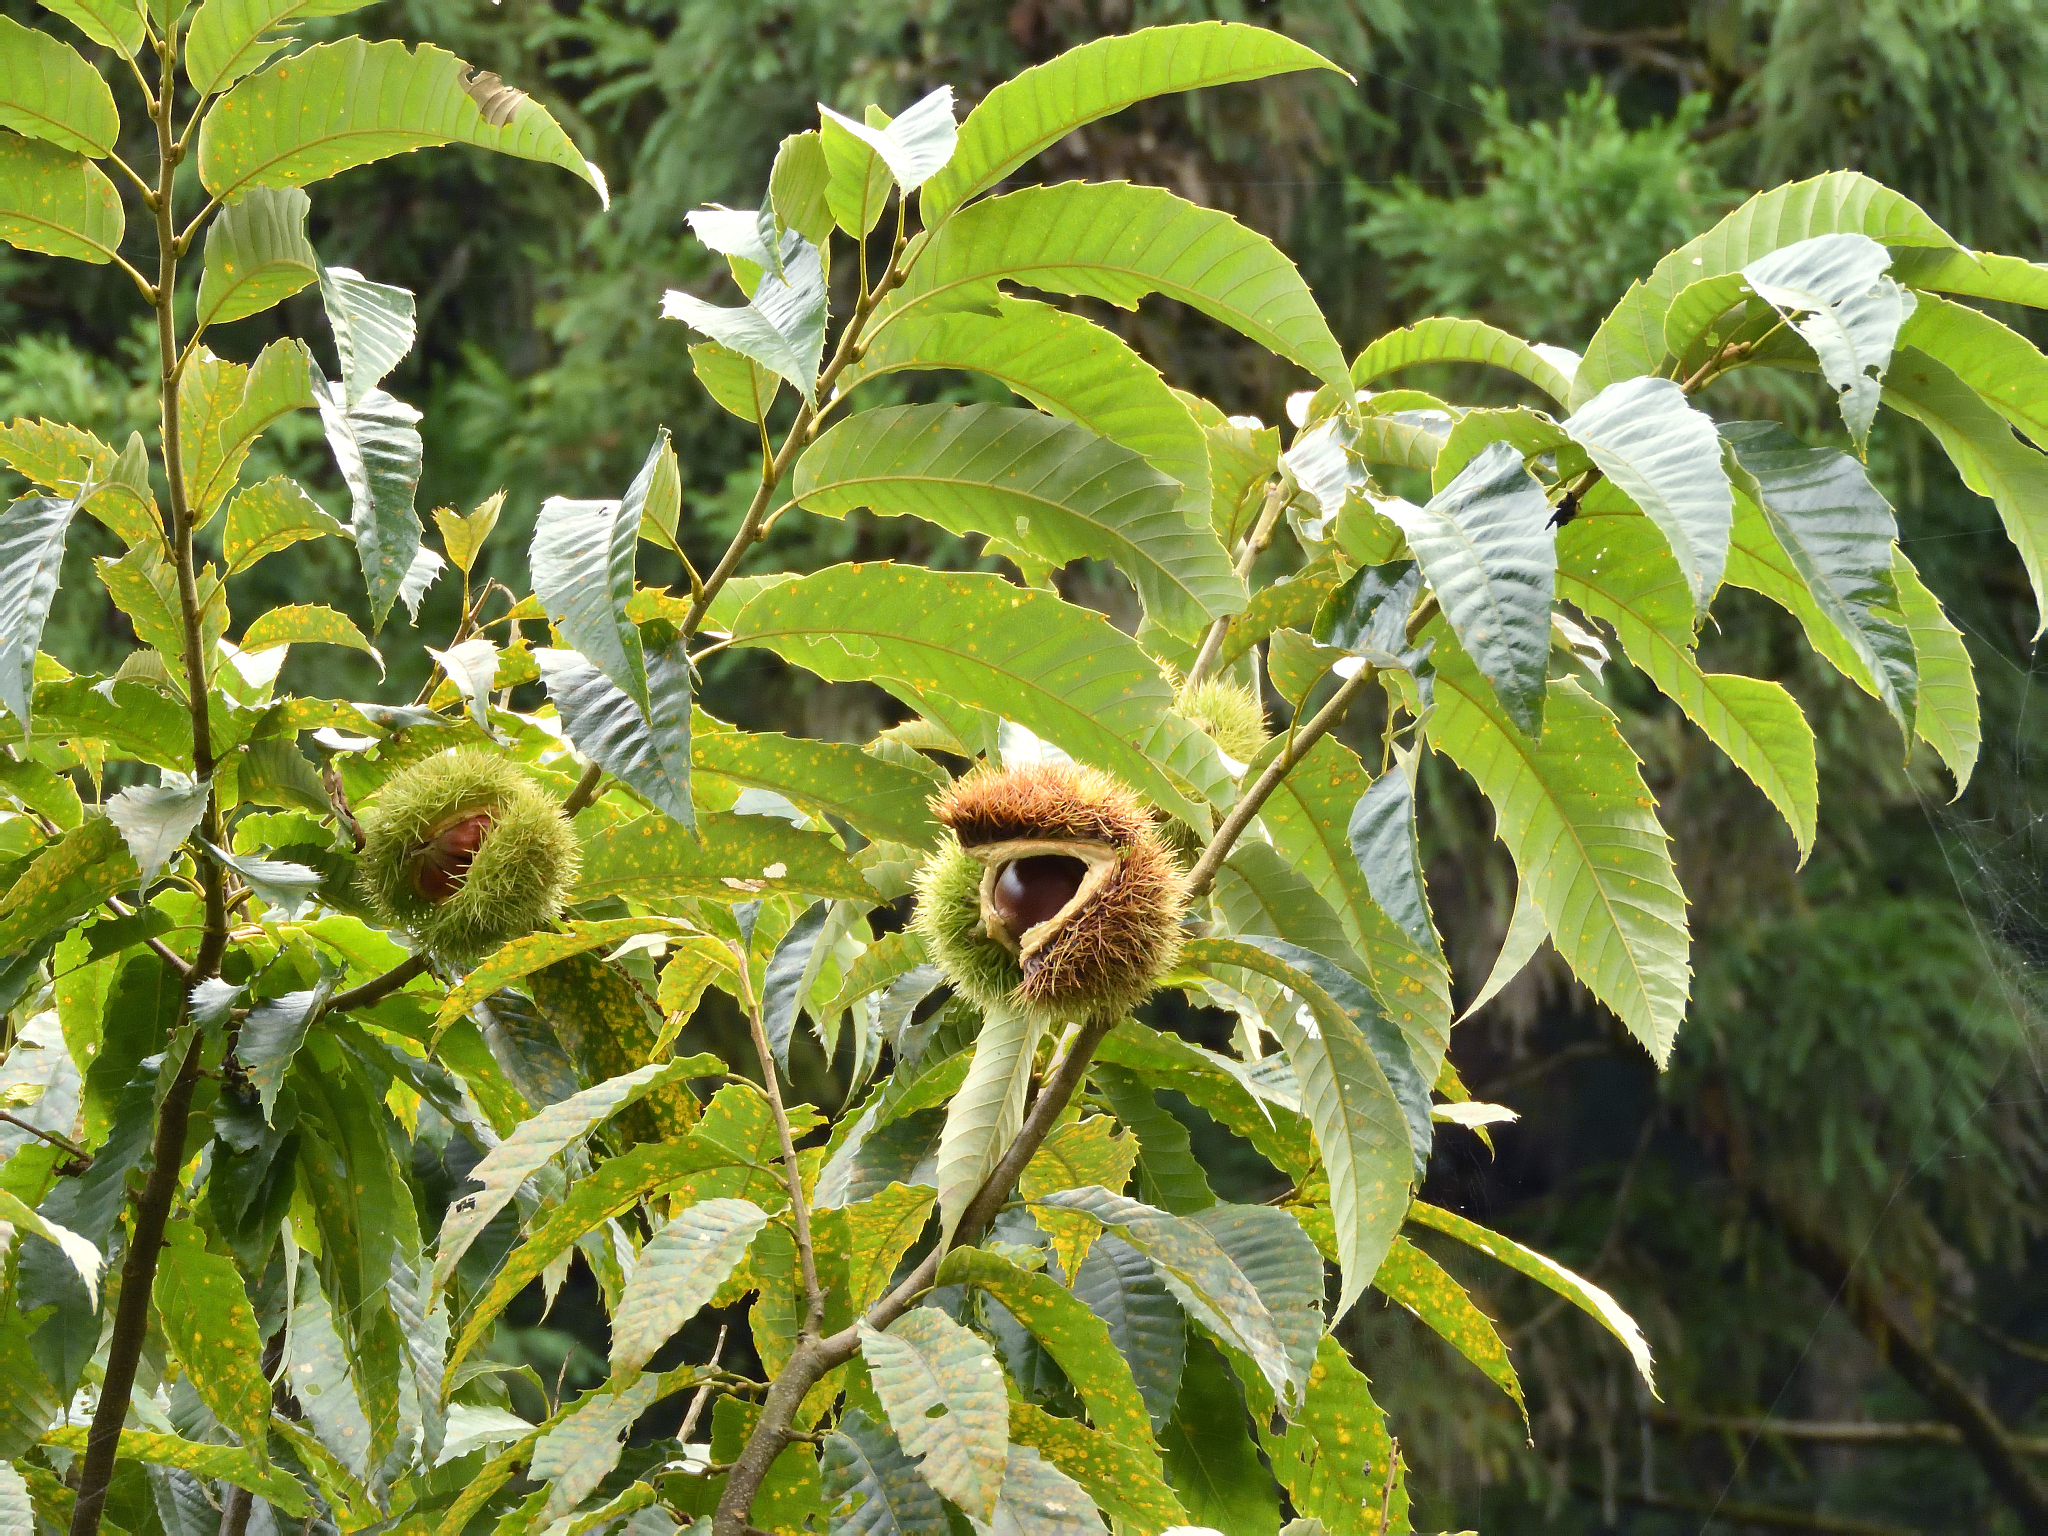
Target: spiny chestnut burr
1230, 713
1054, 892
465, 852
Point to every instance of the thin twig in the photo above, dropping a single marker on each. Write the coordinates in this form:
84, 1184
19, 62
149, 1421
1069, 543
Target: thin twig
1832, 1432
585, 790
1255, 541
703, 1393
379, 987
801, 431
792, 1170
62, 1143
1251, 800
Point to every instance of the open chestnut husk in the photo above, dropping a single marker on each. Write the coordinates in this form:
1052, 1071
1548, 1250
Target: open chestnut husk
1054, 891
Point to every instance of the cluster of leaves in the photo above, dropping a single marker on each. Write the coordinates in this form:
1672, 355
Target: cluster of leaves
227, 1071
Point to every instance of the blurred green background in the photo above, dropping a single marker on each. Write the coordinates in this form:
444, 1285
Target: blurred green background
1860, 1078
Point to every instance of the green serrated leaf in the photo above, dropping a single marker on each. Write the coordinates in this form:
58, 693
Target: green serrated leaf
1615, 569
257, 255
1584, 835
1990, 459
1818, 514
1078, 1340
1491, 560
872, 1487
649, 751
1053, 489
738, 383
983, 1117
580, 1451
615, 1188
1833, 291
1665, 457
782, 328
677, 1272
156, 820
205, 1313
1335, 1458
1973, 274
882, 799
1075, 1155
538, 1140
1035, 110
915, 144
1038, 1499
311, 623
1210, 1457
729, 858
857, 182
68, 879
1197, 1269
377, 449
796, 187
110, 23
227, 39
1124, 1482
1630, 341
1947, 718
954, 646
352, 102
1387, 843
48, 92
228, 1463
226, 407
55, 201
582, 557
1061, 363
267, 517
32, 534
1121, 243
1168, 1175
1442, 340
1369, 1146
926, 1361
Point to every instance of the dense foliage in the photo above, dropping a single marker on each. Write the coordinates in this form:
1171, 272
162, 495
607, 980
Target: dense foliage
339, 1063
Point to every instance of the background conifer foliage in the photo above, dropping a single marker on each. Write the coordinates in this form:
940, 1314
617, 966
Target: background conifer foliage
916, 768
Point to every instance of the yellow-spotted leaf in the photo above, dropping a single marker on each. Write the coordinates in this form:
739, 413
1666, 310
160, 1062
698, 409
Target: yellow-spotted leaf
519, 959
1415, 1280
230, 1464
204, 1311
728, 858
1078, 1340
1074, 1156
55, 201
302, 624
269, 516
48, 92
1583, 1294
1124, 1482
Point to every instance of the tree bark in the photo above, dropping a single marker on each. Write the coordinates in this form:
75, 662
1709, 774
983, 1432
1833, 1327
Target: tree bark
1884, 1320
